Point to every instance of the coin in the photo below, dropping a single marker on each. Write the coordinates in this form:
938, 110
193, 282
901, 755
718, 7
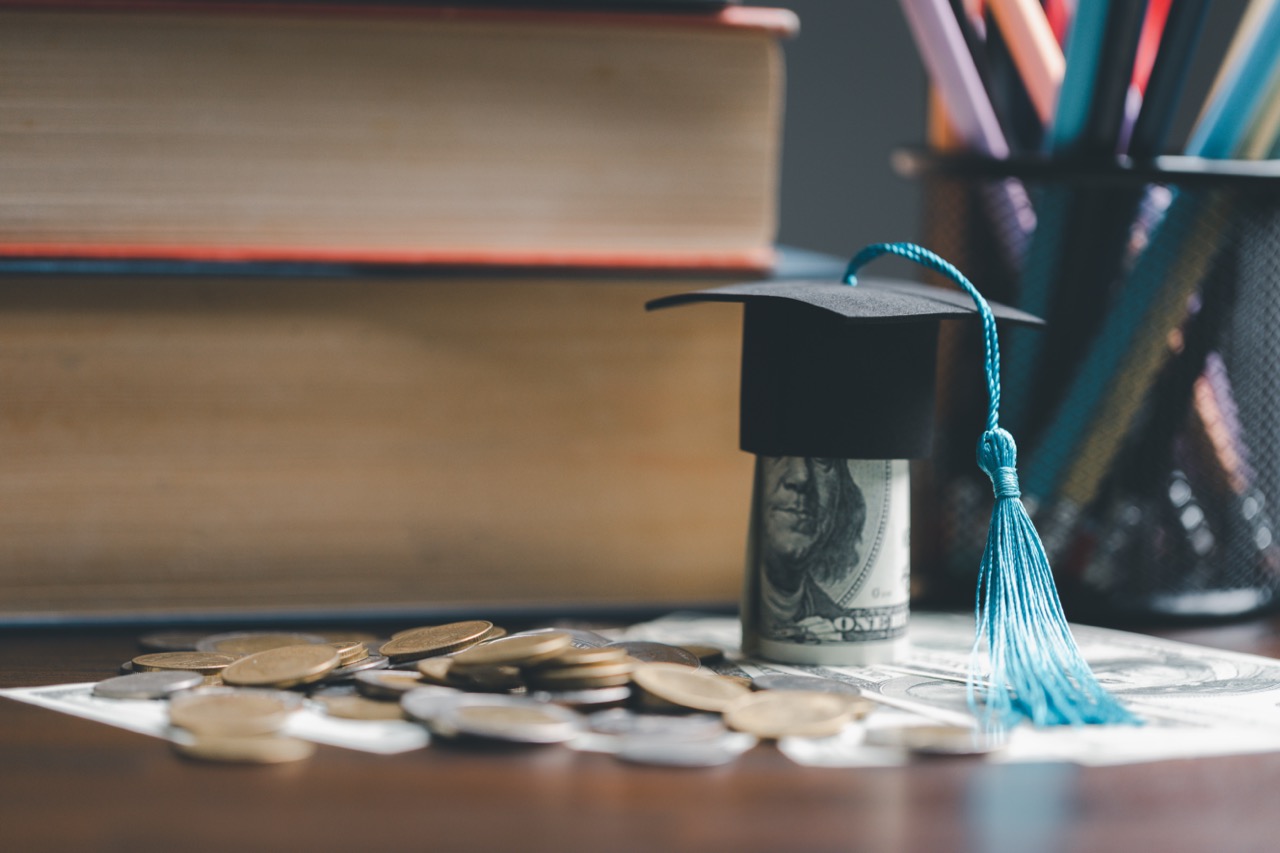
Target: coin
148, 685
789, 713
287, 666
688, 688
786, 681
485, 679
170, 641
246, 750
349, 651
423, 642
205, 663
366, 663
592, 698
232, 711
705, 654
509, 718
385, 684
689, 726
520, 649
361, 708
710, 752
435, 670
647, 652
573, 656
582, 677
252, 642
938, 740
427, 702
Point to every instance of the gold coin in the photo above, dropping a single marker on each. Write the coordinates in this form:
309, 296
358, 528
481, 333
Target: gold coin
486, 679
287, 666
435, 670
789, 713
205, 663
349, 651
386, 683
494, 633
582, 677
517, 650
361, 708
246, 750
688, 688
434, 640
583, 657
228, 711
252, 642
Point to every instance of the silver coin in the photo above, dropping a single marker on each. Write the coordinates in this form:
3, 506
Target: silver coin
343, 673
508, 718
647, 652
668, 752
578, 638
626, 723
786, 681
428, 702
147, 685
596, 697
289, 638
332, 691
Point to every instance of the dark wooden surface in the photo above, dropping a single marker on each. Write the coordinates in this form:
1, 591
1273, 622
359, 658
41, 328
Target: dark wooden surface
72, 784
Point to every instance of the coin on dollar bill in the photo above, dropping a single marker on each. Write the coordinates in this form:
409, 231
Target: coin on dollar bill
417, 643
286, 666
232, 711
252, 642
516, 650
789, 713
246, 750
148, 685
689, 688
205, 663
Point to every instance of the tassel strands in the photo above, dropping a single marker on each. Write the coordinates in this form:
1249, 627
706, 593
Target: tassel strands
1036, 670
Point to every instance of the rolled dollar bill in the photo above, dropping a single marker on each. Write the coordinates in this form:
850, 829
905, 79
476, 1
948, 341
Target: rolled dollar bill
828, 561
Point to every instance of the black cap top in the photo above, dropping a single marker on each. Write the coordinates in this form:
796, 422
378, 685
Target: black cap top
830, 369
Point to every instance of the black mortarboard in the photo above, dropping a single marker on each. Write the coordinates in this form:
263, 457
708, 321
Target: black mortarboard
841, 371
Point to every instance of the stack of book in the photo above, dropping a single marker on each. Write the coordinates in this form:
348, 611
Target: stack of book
318, 307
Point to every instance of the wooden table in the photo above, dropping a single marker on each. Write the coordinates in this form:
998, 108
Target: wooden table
72, 784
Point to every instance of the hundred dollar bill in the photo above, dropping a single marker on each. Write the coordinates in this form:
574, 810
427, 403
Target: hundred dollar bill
828, 561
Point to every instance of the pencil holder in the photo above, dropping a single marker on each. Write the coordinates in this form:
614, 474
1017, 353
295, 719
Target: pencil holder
1147, 410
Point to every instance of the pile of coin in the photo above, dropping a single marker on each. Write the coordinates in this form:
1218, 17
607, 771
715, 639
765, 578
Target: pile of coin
231, 695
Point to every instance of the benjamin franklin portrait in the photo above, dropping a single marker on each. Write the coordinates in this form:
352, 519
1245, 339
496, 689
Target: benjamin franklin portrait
812, 516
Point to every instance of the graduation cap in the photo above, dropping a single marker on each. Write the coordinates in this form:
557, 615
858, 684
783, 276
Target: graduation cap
838, 371
847, 371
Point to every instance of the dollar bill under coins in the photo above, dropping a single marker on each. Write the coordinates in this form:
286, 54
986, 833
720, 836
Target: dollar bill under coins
230, 696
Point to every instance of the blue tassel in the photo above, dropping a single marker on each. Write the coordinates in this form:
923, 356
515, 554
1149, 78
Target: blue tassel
1036, 669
